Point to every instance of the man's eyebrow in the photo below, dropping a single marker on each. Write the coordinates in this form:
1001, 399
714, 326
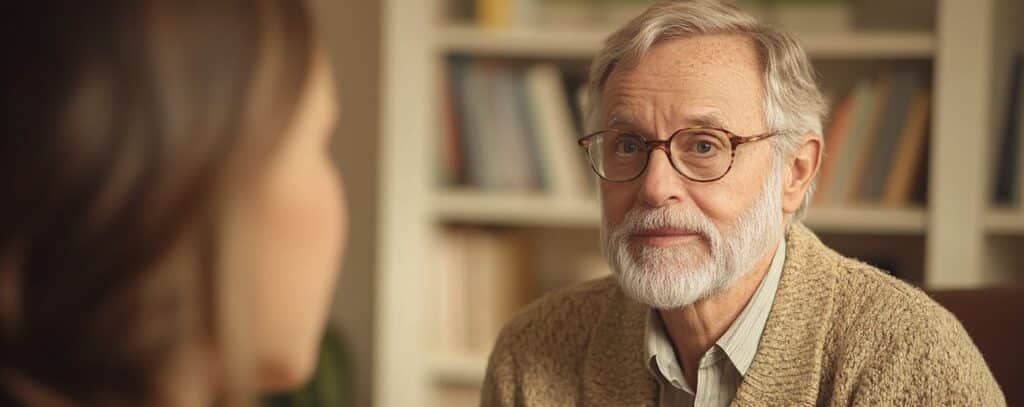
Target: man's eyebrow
706, 120
619, 118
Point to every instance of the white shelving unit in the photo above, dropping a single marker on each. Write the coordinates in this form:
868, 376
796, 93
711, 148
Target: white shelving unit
953, 228
511, 209
537, 209
1002, 222
584, 43
458, 369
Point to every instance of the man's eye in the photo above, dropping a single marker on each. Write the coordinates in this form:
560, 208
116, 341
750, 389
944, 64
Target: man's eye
627, 147
704, 147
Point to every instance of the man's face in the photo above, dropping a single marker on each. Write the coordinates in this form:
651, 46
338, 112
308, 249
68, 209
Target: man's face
662, 230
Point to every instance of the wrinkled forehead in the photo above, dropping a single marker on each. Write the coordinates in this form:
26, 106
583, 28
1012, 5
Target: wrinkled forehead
707, 80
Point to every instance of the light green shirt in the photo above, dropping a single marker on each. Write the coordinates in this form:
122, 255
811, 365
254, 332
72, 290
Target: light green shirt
723, 366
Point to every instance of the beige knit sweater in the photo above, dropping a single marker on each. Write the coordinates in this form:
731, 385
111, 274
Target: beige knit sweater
840, 333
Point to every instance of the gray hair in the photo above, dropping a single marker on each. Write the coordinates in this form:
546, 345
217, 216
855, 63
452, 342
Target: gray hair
793, 104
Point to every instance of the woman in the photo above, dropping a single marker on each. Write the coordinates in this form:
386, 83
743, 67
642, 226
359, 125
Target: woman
171, 224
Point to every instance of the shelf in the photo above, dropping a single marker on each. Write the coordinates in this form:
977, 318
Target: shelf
1005, 222
515, 209
868, 220
522, 42
525, 209
871, 45
585, 43
458, 369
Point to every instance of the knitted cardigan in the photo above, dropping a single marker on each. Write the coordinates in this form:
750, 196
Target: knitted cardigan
839, 333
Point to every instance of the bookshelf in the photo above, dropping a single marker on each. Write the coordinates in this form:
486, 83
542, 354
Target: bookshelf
514, 209
521, 42
1005, 222
954, 241
584, 43
524, 209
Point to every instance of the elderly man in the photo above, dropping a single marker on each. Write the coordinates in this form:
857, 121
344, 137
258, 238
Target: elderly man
707, 141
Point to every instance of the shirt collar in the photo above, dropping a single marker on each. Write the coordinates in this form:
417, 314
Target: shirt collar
740, 341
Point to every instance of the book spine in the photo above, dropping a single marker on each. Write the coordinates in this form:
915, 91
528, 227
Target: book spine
865, 95
905, 85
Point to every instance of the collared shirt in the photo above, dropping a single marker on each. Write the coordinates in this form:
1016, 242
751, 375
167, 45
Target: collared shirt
723, 366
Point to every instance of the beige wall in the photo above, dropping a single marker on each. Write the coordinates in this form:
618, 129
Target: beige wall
351, 31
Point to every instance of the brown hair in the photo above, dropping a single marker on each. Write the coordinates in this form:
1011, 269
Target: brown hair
128, 122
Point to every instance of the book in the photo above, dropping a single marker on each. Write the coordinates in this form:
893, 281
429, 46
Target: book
450, 152
482, 280
513, 155
861, 155
865, 96
498, 284
910, 153
1009, 171
494, 13
554, 131
893, 120
469, 84
485, 111
514, 127
500, 14
835, 135
539, 168
452, 302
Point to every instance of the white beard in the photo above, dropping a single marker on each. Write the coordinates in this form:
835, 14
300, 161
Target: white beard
675, 277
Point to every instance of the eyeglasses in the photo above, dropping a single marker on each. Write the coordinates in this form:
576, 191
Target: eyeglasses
701, 154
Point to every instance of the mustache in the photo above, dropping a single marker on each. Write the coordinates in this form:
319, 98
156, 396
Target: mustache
690, 219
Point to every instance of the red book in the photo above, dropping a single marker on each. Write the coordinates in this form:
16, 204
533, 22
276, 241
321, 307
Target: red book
834, 136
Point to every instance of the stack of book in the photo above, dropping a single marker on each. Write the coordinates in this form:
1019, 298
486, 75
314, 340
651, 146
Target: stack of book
483, 279
510, 127
1008, 170
876, 146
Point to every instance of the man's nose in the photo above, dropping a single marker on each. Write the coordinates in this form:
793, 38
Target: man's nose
660, 184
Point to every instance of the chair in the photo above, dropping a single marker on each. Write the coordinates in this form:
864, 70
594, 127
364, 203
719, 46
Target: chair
994, 317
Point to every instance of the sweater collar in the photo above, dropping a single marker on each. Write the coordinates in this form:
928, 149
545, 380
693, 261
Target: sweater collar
786, 369
738, 344
788, 364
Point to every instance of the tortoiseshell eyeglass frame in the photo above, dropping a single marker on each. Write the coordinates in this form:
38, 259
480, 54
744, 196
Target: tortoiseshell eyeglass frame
665, 145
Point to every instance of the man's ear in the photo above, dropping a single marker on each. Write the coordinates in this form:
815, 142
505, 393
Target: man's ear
801, 168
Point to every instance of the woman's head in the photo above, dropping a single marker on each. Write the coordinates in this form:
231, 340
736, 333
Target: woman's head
169, 204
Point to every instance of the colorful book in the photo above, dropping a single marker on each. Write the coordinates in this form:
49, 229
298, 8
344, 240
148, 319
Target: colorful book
865, 96
835, 135
493, 13
511, 144
910, 153
862, 154
880, 159
554, 131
